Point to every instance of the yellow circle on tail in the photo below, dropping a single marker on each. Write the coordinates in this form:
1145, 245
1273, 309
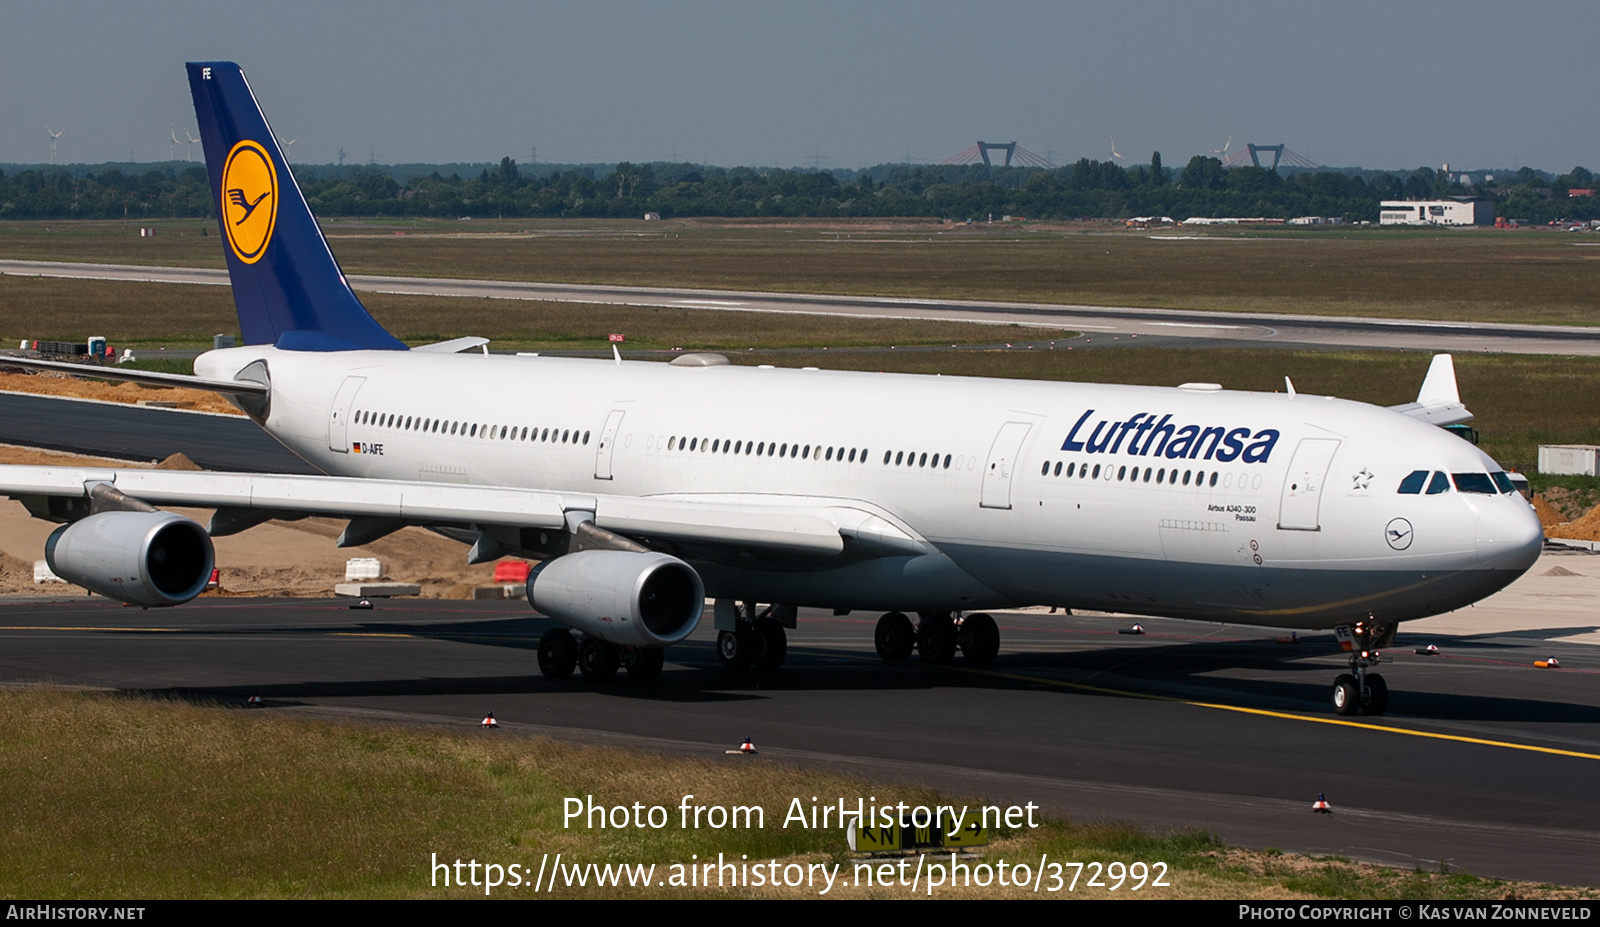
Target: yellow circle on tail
249, 200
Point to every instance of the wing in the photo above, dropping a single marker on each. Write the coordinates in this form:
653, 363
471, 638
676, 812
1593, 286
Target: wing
813, 527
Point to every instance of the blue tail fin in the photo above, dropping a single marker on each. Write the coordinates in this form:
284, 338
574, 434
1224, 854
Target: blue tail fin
286, 285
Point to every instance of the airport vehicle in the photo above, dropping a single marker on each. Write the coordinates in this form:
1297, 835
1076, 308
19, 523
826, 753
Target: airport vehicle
643, 488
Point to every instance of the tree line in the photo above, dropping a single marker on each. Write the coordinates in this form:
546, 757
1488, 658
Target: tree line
1085, 189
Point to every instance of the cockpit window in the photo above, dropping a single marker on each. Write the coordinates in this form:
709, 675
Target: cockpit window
1502, 482
1439, 483
1412, 484
1474, 482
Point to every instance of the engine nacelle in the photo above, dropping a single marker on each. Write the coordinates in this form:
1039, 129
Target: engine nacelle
143, 558
627, 598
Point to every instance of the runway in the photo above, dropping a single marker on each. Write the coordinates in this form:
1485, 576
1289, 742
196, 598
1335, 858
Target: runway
1484, 763
1238, 329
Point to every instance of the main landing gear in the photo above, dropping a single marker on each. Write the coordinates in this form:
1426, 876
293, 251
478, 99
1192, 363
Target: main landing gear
560, 652
1361, 689
937, 636
758, 638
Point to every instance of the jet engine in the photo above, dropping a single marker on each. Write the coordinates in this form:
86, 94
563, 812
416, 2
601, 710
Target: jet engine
142, 558
626, 597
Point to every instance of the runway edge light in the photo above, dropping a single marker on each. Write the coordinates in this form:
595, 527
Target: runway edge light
748, 748
489, 721
1321, 806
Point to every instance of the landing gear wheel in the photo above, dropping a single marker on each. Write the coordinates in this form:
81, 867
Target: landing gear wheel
737, 649
894, 637
979, 639
936, 637
644, 663
558, 653
1376, 698
597, 659
1346, 694
773, 643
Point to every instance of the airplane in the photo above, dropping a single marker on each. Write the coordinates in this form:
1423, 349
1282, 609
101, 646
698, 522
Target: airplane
643, 489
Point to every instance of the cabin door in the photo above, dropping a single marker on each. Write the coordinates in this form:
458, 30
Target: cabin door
1302, 488
1002, 463
608, 437
339, 415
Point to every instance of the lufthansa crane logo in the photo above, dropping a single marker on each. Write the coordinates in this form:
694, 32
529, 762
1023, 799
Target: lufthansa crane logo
249, 200
1398, 533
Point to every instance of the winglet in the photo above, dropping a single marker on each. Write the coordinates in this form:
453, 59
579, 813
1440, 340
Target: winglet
1439, 386
287, 288
1439, 401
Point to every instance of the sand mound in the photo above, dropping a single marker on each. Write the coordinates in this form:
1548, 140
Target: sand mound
178, 461
1560, 571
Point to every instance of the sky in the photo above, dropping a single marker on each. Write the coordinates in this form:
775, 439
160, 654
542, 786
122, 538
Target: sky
1393, 85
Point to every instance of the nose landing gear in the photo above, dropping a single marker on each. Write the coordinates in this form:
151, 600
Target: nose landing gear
1361, 689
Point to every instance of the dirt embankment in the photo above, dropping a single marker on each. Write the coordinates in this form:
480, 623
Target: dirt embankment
1567, 513
50, 384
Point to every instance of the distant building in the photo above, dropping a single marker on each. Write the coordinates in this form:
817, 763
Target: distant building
1580, 191
1454, 211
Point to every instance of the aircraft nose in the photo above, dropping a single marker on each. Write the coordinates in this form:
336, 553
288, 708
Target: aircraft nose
1509, 535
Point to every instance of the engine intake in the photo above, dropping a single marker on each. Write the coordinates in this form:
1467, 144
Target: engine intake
627, 598
142, 558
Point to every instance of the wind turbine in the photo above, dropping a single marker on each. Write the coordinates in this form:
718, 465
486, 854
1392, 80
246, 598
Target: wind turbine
286, 146
192, 142
1114, 149
174, 150
53, 137
1224, 149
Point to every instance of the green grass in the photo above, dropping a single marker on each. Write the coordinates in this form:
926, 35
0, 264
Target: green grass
1479, 275
110, 796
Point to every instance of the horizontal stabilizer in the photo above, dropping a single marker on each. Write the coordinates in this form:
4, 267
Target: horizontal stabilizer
1439, 401
453, 346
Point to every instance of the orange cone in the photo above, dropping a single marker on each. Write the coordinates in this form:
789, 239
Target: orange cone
1551, 663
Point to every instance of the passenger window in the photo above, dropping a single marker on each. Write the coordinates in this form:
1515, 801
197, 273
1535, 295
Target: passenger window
1213, 479
1121, 472
1412, 484
1147, 474
1096, 472
1159, 475
1479, 483
886, 457
898, 457
586, 437
1440, 483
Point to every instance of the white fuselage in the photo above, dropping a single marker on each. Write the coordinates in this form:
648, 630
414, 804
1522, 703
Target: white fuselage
1272, 509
